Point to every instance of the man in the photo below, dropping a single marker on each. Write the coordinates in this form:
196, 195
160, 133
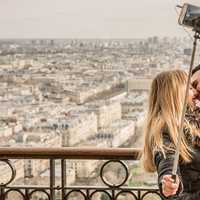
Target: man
193, 115
195, 80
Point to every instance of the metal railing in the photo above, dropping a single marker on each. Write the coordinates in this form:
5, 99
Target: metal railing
109, 191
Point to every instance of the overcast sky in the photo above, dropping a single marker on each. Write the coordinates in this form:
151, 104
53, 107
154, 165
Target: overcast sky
89, 18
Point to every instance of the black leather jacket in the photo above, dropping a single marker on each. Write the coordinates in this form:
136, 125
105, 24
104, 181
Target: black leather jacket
189, 173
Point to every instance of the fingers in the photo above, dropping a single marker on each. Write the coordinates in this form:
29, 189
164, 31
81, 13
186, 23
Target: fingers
169, 188
169, 178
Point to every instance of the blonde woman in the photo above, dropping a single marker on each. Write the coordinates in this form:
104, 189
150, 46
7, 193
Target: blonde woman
163, 118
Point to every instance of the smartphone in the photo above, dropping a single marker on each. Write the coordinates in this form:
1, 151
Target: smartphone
190, 16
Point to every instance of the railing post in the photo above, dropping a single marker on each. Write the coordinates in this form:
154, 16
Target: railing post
2, 195
52, 179
113, 194
88, 194
139, 194
63, 176
26, 194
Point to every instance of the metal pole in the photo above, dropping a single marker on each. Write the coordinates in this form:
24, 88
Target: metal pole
177, 152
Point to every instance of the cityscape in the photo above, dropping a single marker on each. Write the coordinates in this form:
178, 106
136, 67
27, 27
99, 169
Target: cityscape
79, 93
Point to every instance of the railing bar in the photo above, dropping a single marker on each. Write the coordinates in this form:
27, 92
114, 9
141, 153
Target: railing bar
28, 187
2, 195
63, 176
52, 179
87, 194
139, 194
113, 194
107, 188
83, 188
69, 153
26, 194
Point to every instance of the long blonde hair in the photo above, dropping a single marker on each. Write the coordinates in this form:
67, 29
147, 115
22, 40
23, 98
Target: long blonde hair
164, 111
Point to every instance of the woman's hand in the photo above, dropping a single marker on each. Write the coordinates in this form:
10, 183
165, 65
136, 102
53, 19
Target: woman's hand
169, 187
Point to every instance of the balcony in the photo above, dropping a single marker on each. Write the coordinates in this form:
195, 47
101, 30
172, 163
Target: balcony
108, 190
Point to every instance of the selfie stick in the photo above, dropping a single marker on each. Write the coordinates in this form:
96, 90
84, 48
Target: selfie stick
180, 133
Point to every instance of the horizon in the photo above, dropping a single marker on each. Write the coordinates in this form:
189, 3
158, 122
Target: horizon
144, 38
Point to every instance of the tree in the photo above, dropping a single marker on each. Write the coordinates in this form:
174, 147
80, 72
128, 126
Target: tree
104, 196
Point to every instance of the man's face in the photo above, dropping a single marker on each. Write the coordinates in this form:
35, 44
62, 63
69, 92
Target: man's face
195, 82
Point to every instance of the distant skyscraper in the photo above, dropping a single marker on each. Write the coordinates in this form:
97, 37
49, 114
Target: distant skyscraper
187, 52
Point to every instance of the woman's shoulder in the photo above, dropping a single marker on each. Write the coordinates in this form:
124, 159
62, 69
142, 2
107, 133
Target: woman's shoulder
188, 136
167, 144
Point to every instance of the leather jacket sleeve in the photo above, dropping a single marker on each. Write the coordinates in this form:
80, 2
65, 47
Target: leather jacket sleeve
164, 165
